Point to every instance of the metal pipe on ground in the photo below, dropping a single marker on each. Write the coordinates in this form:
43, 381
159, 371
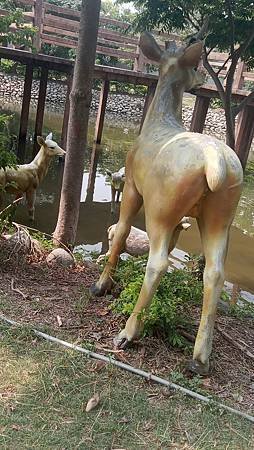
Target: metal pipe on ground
129, 368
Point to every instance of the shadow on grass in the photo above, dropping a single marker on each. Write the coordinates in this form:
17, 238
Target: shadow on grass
44, 390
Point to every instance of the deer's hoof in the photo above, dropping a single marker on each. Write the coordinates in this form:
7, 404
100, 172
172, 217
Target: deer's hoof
100, 290
198, 367
120, 343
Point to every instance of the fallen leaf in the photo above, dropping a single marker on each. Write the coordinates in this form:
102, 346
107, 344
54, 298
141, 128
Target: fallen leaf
148, 425
93, 402
206, 382
103, 312
124, 420
59, 321
16, 427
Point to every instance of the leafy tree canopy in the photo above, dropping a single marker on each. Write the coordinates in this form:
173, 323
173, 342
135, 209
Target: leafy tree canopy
229, 20
20, 34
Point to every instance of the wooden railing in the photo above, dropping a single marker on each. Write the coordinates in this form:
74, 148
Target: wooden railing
59, 26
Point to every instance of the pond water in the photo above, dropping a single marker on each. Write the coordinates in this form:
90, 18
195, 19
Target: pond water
95, 216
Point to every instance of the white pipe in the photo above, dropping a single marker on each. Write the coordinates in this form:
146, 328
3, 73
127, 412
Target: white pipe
132, 369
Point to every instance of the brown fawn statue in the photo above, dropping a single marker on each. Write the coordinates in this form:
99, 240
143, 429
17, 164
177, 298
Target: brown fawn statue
25, 178
176, 173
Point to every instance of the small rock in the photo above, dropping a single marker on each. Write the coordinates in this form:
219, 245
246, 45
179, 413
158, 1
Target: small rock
60, 257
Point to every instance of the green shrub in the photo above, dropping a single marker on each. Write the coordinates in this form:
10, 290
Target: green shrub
170, 308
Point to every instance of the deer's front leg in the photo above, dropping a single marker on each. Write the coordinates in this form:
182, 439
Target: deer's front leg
30, 199
131, 203
113, 196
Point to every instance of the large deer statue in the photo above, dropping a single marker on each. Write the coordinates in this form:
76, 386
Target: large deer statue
176, 173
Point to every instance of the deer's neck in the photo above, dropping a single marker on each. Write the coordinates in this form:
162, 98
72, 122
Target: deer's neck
165, 112
41, 161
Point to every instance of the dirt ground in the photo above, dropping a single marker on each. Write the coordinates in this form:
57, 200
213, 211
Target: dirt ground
57, 299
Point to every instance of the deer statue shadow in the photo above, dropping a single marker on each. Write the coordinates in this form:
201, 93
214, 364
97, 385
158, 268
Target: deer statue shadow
175, 173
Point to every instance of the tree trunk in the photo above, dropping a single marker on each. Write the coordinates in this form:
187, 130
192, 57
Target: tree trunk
80, 100
230, 126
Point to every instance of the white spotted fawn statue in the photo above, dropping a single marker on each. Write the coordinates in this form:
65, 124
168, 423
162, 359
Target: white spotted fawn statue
176, 173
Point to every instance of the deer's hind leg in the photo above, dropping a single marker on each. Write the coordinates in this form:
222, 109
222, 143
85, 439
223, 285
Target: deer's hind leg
131, 203
214, 225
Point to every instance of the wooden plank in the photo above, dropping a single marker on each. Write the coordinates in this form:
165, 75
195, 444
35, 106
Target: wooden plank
27, 16
114, 52
238, 78
101, 111
60, 32
60, 22
108, 36
199, 114
27, 2
25, 112
115, 22
71, 43
40, 107
244, 134
123, 46
62, 10
116, 36
56, 40
50, 32
249, 76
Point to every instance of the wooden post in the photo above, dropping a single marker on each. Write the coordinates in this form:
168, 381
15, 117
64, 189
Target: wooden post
238, 79
199, 114
148, 100
139, 62
25, 112
244, 133
38, 23
101, 111
40, 106
92, 172
66, 113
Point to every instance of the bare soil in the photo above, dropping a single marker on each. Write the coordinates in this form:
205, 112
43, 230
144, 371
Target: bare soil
58, 298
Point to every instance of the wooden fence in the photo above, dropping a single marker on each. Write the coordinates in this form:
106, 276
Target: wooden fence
58, 26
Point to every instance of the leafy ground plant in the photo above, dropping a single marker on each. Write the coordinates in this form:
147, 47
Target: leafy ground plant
170, 308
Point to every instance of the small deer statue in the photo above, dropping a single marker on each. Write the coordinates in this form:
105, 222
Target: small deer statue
176, 173
116, 180
25, 178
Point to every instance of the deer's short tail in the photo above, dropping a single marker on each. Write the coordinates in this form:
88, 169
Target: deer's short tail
215, 168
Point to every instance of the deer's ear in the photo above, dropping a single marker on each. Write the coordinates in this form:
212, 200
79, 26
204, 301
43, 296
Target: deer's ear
191, 55
49, 137
40, 140
150, 47
108, 173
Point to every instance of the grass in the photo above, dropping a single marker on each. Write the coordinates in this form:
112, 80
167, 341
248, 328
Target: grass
44, 390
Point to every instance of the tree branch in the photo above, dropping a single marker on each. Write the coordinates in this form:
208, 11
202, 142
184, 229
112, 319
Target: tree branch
242, 104
222, 67
214, 76
232, 27
241, 49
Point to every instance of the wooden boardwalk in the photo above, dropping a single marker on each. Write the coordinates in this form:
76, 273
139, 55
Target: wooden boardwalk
59, 26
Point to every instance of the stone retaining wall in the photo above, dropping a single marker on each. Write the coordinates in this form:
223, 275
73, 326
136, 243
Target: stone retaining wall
119, 106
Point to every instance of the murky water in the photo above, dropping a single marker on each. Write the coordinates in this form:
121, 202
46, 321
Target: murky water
95, 216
